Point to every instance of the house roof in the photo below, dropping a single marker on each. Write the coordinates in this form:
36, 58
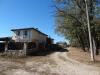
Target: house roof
36, 29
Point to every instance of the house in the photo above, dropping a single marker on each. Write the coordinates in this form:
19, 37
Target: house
62, 44
25, 41
29, 35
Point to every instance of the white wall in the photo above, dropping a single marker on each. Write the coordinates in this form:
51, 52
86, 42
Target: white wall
38, 36
32, 35
22, 38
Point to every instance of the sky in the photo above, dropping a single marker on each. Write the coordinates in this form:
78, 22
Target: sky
28, 13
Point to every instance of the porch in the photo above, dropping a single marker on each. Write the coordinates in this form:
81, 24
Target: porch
19, 48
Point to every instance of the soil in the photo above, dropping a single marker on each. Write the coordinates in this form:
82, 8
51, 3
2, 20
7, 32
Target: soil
84, 57
56, 63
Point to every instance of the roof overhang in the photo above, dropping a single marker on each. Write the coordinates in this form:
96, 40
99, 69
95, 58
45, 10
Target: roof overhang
36, 29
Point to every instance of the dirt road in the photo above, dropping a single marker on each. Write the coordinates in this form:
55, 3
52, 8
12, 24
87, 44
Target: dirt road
55, 64
72, 67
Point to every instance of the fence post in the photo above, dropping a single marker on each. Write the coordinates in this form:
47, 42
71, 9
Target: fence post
25, 48
6, 46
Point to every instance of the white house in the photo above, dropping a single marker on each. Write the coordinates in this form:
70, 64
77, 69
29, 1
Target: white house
29, 35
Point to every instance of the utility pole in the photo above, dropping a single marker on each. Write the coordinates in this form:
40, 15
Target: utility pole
89, 31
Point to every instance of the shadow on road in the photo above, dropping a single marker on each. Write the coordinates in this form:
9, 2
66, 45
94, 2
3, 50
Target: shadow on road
45, 52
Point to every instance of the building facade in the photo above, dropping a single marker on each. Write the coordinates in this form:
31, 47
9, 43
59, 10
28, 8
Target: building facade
29, 35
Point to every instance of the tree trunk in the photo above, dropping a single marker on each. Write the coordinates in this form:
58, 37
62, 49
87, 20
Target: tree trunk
95, 41
81, 42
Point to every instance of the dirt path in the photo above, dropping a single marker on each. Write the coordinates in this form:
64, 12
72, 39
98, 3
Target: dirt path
68, 66
55, 64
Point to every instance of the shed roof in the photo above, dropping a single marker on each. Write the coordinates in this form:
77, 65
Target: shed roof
5, 38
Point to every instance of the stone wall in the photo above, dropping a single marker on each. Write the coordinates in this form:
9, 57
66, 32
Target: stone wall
15, 52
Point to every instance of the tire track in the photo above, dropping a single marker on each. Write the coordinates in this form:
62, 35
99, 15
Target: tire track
71, 67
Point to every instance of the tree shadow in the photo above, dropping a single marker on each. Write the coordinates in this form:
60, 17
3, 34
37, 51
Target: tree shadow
45, 52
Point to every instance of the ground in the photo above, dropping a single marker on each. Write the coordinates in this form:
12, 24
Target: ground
56, 63
84, 57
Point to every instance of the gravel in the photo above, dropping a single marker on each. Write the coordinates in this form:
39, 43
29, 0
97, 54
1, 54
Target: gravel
55, 64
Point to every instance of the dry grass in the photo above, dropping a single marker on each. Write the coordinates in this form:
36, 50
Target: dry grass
84, 57
54, 64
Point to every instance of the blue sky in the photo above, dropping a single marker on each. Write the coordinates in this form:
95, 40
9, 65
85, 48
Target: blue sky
27, 13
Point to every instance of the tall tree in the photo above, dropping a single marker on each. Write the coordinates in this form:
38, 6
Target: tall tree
71, 21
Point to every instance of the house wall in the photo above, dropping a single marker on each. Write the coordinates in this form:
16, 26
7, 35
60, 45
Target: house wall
38, 36
21, 37
32, 36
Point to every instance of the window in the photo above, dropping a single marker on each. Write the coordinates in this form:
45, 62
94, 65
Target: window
25, 33
18, 33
